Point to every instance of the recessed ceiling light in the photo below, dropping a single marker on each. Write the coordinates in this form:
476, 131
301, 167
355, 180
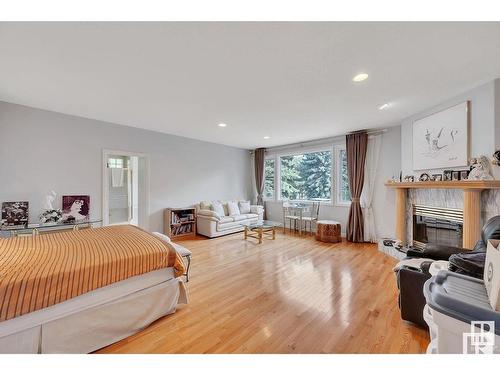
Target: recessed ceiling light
266, 137
360, 77
384, 106
222, 125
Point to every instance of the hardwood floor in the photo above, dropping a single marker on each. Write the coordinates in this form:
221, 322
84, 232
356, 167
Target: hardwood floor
291, 295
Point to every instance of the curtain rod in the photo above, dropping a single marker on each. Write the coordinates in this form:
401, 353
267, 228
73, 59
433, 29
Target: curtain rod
319, 142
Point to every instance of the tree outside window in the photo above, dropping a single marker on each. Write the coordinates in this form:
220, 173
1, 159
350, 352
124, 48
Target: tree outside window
306, 176
344, 194
269, 178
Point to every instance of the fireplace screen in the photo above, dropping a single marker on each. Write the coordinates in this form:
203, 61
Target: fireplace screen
434, 225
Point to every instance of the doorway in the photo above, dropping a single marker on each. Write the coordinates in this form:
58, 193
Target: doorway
125, 188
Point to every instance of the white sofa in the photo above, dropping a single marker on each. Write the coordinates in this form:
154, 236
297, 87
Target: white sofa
212, 224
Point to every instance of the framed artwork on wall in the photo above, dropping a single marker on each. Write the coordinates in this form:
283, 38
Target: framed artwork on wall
441, 140
75, 208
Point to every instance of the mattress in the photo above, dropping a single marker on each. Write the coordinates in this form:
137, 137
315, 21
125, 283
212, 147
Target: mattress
88, 300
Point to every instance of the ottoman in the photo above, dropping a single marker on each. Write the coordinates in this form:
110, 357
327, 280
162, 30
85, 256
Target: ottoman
328, 231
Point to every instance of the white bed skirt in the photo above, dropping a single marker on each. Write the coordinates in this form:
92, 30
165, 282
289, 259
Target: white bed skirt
96, 326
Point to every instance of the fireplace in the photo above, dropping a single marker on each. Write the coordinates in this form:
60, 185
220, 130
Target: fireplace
437, 225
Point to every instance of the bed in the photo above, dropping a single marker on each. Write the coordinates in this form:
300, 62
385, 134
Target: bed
76, 292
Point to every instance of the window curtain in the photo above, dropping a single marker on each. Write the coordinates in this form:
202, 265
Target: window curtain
371, 167
356, 145
259, 159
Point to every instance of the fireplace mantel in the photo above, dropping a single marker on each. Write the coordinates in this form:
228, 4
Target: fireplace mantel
481, 185
472, 204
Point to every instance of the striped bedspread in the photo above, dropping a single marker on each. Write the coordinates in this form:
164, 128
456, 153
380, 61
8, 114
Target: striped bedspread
41, 271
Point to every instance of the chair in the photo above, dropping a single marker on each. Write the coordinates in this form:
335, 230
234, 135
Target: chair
410, 280
313, 218
289, 213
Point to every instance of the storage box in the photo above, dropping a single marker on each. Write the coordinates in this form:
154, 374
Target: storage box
491, 275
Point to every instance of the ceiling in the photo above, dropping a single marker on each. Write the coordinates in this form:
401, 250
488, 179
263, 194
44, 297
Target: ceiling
289, 81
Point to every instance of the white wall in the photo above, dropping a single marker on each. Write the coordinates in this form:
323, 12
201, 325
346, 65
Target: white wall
42, 150
383, 198
484, 136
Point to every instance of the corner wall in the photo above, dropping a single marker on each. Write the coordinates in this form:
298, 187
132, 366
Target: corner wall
42, 151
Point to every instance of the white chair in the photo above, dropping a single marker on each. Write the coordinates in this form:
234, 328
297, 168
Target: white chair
313, 218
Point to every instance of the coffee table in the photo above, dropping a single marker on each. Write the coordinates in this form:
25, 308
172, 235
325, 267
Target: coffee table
260, 228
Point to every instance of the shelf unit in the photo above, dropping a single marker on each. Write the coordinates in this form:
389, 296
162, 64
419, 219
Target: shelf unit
179, 222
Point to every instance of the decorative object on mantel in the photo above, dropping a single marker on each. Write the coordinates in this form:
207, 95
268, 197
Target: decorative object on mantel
455, 175
496, 158
447, 175
437, 177
441, 139
481, 170
424, 177
464, 175
409, 178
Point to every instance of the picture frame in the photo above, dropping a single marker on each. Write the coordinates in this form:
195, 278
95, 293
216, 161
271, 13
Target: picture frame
464, 174
75, 208
424, 177
441, 139
455, 176
447, 175
437, 177
15, 213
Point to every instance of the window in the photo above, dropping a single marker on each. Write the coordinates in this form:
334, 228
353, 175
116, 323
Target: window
115, 163
269, 179
306, 176
343, 192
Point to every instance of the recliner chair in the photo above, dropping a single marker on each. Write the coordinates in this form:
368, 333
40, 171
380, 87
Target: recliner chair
411, 280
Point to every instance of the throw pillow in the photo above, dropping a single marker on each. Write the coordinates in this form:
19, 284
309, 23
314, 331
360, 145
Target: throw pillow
244, 207
233, 208
204, 205
218, 208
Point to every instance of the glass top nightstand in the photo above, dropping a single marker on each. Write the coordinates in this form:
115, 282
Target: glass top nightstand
36, 228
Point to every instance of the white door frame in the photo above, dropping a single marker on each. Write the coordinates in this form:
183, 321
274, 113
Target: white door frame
144, 207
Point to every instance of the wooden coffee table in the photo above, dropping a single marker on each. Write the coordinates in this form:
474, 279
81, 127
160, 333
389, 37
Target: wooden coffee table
260, 228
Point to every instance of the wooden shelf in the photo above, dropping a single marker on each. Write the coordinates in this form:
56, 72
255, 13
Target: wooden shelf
172, 227
182, 223
464, 185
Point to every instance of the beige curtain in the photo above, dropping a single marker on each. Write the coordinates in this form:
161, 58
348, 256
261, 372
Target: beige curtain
259, 173
356, 145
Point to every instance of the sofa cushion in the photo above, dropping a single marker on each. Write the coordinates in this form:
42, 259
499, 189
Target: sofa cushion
218, 208
244, 207
208, 213
205, 205
226, 210
233, 209
252, 216
224, 226
226, 219
239, 217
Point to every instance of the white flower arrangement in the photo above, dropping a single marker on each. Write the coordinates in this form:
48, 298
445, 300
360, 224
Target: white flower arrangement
51, 216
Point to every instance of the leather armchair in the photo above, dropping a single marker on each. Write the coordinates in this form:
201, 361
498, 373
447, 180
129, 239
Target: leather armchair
411, 280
